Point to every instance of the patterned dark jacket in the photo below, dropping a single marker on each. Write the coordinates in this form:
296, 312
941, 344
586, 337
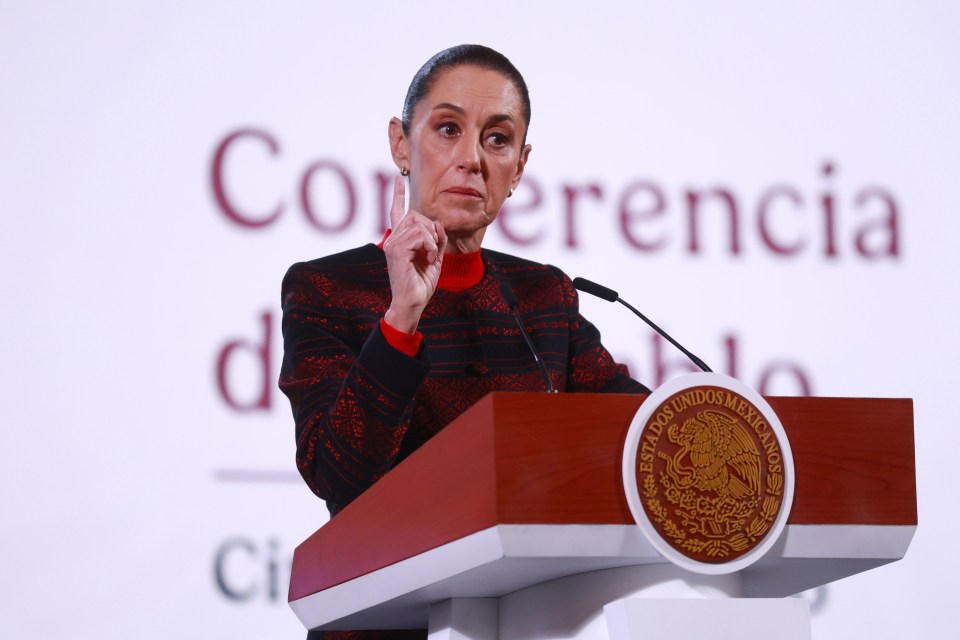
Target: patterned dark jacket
361, 406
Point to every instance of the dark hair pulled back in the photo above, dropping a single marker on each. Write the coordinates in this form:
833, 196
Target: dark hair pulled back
465, 54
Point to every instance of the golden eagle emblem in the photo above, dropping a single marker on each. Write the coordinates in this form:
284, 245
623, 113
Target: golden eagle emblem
710, 474
705, 473
716, 454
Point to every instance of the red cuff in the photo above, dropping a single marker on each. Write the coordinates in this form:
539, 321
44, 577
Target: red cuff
400, 340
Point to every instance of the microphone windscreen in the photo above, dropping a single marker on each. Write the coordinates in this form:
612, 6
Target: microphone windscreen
595, 289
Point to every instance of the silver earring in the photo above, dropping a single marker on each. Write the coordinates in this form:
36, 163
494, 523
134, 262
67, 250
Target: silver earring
510, 193
404, 171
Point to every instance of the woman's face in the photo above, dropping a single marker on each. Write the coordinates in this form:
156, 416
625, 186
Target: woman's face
464, 151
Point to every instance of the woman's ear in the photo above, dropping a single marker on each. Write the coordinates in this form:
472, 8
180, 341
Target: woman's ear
521, 163
398, 144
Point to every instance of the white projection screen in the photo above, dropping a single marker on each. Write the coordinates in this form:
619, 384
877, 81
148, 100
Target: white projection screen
777, 185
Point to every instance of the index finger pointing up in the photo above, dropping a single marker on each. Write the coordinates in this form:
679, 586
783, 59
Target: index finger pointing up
396, 208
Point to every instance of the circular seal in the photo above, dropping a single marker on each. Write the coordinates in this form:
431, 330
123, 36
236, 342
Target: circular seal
708, 473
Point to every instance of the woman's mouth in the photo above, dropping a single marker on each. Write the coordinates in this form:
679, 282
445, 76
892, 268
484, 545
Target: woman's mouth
465, 192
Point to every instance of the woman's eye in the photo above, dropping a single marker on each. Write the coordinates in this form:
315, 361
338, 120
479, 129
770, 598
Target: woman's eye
498, 139
448, 129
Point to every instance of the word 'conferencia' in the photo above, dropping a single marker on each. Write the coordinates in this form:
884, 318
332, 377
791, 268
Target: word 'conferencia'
862, 224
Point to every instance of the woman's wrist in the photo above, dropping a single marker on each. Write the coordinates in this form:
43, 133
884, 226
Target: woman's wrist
405, 320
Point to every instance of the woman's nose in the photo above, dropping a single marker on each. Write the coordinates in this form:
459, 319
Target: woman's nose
470, 155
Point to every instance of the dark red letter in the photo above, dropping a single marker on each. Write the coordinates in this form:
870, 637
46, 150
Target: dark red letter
312, 170
888, 223
262, 353
219, 190
629, 216
730, 343
693, 203
829, 224
763, 208
803, 384
570, 195
384, 183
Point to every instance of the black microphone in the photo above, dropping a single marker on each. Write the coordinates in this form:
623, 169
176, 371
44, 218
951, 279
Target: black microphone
612, 296
507, 291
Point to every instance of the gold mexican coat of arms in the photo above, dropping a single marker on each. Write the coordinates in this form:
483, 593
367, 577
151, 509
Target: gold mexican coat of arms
711, 474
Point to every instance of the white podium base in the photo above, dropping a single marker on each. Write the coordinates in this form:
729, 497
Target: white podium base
627, 603
524, 560
738, 619
464, 619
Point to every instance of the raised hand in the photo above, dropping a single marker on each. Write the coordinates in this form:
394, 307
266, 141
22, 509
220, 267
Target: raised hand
414, 254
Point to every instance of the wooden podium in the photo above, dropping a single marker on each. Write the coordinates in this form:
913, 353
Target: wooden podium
513, 523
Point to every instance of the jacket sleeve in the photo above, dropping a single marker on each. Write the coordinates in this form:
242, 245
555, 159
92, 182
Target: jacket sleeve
590, 367
350, 391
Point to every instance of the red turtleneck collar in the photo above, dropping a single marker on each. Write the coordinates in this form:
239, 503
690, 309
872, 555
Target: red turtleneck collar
459, 270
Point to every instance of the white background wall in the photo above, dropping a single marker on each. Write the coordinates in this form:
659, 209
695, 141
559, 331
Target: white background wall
124, 474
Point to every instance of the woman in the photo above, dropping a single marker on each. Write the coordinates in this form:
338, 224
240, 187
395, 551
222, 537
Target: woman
384, 345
